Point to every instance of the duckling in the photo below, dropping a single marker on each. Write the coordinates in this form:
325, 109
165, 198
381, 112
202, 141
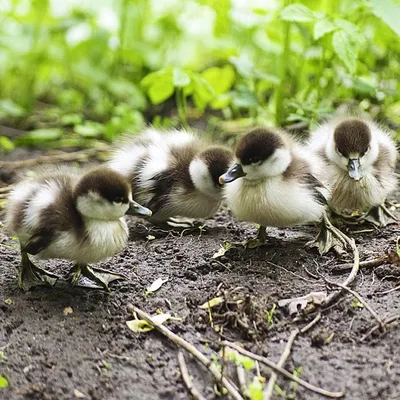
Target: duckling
173, 173
359, 159
277, 186
68, 214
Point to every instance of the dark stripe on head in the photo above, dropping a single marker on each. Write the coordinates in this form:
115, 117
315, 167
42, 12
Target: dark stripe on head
352, 136
218, 161
258, 145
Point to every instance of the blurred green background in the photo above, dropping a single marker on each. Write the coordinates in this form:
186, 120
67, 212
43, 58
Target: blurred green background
79, 71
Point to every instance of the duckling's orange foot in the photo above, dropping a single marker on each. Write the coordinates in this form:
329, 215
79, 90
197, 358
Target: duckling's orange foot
258, 241
93, 278
380, 216
30, 275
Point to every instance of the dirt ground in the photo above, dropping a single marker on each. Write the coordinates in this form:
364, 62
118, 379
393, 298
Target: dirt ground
52, 354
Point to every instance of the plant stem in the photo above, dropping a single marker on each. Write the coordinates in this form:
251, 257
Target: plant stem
181, 105
279, 95
123, 17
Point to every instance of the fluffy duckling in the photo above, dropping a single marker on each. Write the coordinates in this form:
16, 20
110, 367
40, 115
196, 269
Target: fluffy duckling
359, 160
173, 173
69, 214
277, 186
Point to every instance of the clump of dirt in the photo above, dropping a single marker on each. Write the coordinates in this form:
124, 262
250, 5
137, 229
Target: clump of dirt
65, 343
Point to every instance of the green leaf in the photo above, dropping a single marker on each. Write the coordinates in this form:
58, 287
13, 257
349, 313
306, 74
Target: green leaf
322, 27
297, 13
40, 136
388, 11
6, 144
89, 129
221, 79
71, 119
345, 49
181, 79
203, 92
255, 390
140, 325
244, 65
3, 382
8, 108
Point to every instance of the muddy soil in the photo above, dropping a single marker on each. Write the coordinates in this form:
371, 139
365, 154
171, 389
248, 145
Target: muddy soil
65, 343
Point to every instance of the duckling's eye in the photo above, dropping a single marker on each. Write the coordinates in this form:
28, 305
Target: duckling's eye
255, 160
118, 201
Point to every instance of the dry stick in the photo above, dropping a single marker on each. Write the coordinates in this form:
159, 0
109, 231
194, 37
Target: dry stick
388, 291
387, 321
285, 355
376, 262
361, 300
230, 387
74, 156
188, 379
353, 273
241, 375
283, 372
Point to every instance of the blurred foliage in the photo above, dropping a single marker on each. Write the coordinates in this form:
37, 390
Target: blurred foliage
82, 70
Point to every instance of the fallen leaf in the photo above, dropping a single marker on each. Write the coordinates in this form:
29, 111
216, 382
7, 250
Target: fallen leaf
68, 310
3, 382
140, 325
222, 250
300, 303
156, 285
212, 303
79, 395
150, 237
9, 301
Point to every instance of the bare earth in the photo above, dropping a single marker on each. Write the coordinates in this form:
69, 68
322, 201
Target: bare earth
49, 354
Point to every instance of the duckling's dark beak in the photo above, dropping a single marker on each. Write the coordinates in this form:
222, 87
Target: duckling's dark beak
353, 169
234, 173
137, 209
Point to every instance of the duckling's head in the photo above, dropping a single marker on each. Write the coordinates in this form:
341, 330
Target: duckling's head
260, 154
352, 147
105, 194
206, 168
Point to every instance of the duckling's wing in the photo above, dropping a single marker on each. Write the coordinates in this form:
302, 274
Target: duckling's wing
319, 191
38, 242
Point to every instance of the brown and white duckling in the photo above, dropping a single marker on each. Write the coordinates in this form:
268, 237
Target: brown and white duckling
359, 159
277, 186
173, 173
73, 215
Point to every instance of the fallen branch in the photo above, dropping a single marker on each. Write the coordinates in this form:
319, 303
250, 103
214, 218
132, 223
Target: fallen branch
360, 299
187, 379
388, 291
353, 273
241, 374
230, 387
285, 355
376, 262
283, 372
386, 321
82, 155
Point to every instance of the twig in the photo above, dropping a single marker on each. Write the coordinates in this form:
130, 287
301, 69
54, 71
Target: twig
73, 156
388, 291
285, 355
360, 299
376, 262
283, 372
230, 387
353, 273
187, 379
241, 374
387, 321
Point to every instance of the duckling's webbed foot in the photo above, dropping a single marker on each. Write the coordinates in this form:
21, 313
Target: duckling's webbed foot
30, 275
92, 278
258, 241
380, 216
329, 237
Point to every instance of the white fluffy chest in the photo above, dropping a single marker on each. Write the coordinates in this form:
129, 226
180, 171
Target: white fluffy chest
273, 202
103, 240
